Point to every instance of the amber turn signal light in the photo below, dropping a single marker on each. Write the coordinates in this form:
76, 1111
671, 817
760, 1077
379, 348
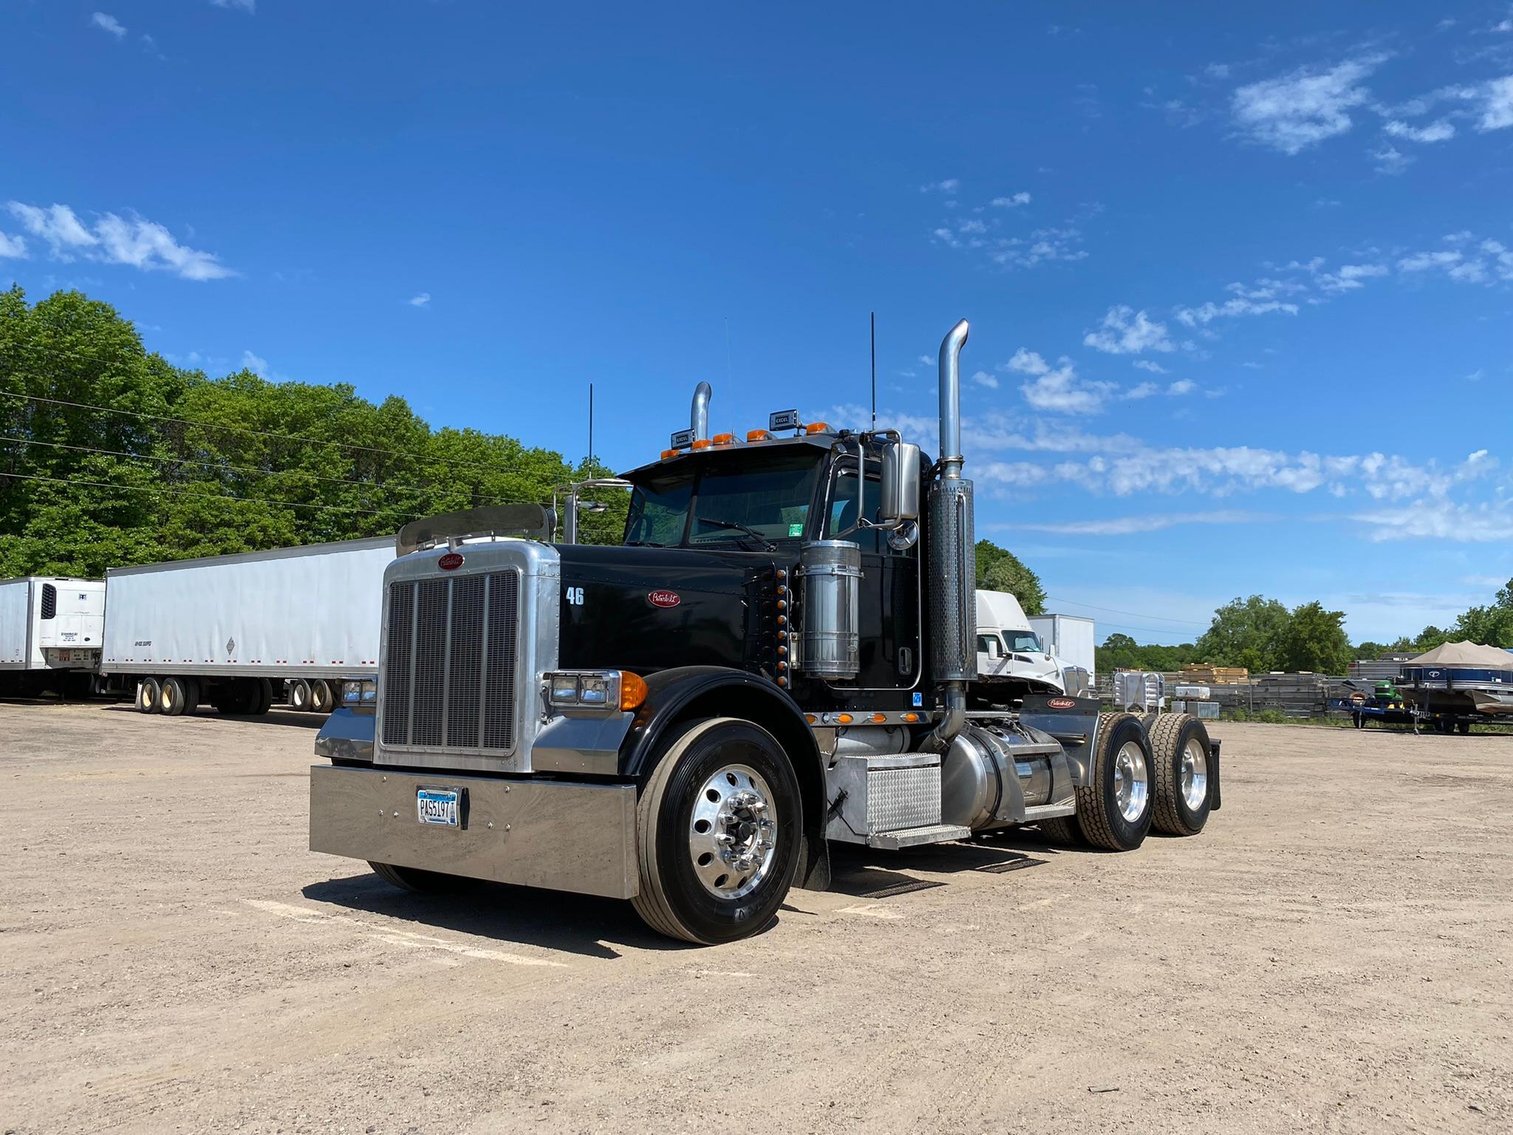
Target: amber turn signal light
632, 690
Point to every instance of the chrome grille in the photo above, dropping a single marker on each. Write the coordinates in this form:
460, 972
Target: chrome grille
449, 663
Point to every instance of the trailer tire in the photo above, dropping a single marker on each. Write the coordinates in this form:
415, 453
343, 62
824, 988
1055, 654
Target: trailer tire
191, 695
1182, 786
1463, 727
299, 694
262, 696
321, 697
1108, 817
416, 879
720, 776
147, 695
172, 697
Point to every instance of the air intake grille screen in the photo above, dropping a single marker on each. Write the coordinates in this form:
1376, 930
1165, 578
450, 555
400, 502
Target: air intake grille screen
449, 663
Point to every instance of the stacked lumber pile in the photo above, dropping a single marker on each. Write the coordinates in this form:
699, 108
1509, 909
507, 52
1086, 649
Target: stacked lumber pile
1214, 675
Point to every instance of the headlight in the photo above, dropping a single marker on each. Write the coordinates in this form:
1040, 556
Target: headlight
357, 692
594, 689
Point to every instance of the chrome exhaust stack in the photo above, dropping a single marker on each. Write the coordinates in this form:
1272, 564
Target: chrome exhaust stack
698, 417
953, 555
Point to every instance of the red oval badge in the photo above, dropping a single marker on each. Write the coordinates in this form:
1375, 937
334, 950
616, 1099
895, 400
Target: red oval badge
450, 562
663, 598
1061, 703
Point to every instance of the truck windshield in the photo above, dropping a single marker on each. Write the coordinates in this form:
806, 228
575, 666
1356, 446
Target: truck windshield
724, 503
1025, 640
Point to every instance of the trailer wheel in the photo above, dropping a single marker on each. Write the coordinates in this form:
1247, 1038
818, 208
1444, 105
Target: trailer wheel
1061, 829
1463, 727
1183, 789
718, 833
299, 694
321, 697
191, 695
172, 697
147, 695
1114, 811
262, 696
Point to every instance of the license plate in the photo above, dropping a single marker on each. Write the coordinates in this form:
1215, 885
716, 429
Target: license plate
438, 806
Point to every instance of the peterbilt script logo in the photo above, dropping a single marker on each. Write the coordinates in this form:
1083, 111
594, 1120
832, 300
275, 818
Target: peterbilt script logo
450, 562
1061, 703
663, 598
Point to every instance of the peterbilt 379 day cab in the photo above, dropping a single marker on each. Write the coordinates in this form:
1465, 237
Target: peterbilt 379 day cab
782, 653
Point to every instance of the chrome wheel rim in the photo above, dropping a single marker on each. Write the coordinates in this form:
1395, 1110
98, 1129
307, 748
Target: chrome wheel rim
1194, 774
1131, 781
732, 834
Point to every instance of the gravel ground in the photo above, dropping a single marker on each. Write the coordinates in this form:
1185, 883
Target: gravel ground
1332, 954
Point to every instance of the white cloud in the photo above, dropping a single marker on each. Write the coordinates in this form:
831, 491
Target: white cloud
1391, 161
12, 246
1239, 305
1440, 131
255, 363
949, 186
1130, 525
1304, 107
108, 23
1467, 260
983, 378
1180, 387
1150, 365
1128, 332
134, 241
420, 299
1058, 389
248, 6
1143, 390
1497, 104
1011, 202
1441, 522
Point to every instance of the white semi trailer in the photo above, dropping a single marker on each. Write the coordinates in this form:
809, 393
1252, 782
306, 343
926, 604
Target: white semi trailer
51, 628
241, 631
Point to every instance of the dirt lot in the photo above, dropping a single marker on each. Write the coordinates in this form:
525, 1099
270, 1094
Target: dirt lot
1332, 954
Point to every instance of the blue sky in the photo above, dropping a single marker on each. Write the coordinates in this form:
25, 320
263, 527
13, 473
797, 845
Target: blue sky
1239, 285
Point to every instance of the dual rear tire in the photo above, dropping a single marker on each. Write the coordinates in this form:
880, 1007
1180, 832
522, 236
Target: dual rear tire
1141, 780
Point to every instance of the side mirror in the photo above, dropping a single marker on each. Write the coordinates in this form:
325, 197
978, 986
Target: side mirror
900, 488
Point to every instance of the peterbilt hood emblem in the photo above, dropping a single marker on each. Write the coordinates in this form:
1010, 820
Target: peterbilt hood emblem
663, 598
450, 562
1061, 703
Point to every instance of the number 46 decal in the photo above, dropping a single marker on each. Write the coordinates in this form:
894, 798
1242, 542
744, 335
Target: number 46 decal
574, 596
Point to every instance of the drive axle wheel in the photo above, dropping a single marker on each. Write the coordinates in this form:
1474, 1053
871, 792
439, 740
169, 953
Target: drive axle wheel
1184, 789
1114, 811
718, 831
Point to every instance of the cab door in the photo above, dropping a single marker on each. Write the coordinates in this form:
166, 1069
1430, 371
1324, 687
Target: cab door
890, 587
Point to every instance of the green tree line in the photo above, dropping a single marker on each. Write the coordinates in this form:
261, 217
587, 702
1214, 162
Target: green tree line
110, 455
1262, 634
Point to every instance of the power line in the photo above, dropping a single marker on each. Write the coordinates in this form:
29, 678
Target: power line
188, 493
201, 425
247, 469
1116, 611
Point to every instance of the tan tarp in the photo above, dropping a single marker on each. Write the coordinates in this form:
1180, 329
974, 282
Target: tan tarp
1465, 654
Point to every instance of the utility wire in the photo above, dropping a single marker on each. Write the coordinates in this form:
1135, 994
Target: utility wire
246, 469
1116, 611
189, 493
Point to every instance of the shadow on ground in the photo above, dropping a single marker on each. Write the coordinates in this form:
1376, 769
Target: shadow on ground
275, 716
553, 920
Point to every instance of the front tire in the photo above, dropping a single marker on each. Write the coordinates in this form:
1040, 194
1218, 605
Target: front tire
415, 879
1114, 811
1184, 787
718, 832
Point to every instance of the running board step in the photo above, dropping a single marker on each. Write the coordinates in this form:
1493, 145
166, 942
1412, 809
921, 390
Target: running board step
916, 837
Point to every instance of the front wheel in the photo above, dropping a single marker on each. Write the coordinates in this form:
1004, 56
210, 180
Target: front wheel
415, 879
718, 833
1114, 811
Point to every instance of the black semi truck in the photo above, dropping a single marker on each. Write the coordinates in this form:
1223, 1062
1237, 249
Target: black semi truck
781, 653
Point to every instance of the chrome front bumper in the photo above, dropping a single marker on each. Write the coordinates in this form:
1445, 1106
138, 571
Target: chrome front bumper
557, 834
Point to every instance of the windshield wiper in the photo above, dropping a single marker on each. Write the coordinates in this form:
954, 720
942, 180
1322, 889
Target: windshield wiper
643, 544
738, 527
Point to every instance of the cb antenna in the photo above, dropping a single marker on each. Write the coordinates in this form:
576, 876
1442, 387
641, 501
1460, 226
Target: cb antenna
873, 321
590, 423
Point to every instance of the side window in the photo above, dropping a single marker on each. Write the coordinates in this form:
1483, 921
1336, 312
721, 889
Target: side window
49, 601
841, 514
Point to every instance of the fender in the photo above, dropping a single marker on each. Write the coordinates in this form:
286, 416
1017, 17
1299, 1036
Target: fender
687, 692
